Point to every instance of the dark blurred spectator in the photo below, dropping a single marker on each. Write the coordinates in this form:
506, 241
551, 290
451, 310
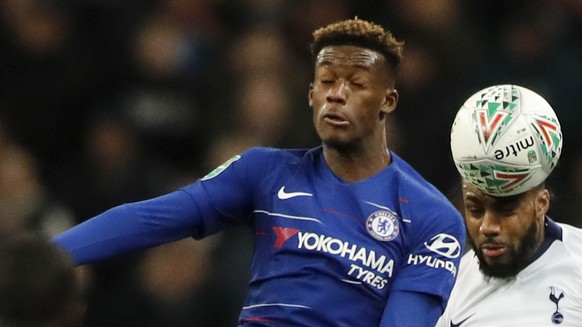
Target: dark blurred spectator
174, 52
261, 112
178, 285
114, 168
304, 16
25, 203
569, 198
49, 73
39, 286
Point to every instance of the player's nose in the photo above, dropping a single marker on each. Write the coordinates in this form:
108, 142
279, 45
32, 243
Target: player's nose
489, 225
338, 93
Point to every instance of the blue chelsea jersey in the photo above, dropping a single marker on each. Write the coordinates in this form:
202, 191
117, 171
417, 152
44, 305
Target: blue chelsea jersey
325, 249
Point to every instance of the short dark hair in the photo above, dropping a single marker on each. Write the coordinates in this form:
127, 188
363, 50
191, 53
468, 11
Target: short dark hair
359, 33
37, 280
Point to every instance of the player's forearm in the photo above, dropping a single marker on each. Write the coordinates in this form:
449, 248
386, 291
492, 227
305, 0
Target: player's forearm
128, 227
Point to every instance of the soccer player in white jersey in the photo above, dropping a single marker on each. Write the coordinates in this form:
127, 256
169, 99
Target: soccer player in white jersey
523, 269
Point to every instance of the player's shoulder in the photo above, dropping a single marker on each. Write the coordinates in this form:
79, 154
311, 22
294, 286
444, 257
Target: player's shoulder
469, 275
429, 210
419, 194
571, 234
572, 239
270, 156
275, 153
469, 260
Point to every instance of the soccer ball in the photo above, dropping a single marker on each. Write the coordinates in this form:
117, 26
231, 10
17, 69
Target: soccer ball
505, 140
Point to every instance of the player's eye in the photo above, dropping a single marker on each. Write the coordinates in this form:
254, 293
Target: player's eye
506, 212
506, 208
475, 211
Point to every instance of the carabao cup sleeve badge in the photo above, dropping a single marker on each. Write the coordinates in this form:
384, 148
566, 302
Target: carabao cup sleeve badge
383, 225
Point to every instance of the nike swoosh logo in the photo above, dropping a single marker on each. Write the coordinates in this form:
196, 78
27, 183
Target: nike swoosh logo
288, 195
460, 322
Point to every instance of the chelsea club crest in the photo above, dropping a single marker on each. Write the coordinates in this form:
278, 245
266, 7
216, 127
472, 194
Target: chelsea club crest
383, 225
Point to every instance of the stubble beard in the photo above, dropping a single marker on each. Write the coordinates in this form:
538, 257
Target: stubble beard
520, 257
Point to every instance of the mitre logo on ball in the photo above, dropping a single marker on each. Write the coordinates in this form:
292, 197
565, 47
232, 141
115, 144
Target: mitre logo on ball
505, 140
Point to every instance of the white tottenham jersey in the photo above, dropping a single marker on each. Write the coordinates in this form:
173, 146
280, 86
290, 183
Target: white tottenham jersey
548, 292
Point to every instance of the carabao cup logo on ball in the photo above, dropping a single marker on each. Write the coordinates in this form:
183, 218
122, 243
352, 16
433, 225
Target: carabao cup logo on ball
505, 140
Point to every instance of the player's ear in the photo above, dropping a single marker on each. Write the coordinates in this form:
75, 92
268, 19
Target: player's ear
542, 202
310, 95
390, 100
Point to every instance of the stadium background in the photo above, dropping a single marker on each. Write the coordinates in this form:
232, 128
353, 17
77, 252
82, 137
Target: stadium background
104, 102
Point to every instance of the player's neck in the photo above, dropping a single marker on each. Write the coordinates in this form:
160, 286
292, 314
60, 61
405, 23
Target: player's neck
354, 166
551, 232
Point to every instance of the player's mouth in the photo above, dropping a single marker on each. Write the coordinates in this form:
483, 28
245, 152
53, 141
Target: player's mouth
335, 120
492, 250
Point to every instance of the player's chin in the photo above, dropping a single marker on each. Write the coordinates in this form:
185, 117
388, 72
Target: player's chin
499, 266
499, 261
341, 144
334, 137
499, 270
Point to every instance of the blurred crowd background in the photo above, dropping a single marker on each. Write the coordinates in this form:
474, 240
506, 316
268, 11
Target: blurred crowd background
104, 102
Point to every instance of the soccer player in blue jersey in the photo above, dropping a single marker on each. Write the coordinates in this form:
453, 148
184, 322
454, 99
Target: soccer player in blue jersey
346, 234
